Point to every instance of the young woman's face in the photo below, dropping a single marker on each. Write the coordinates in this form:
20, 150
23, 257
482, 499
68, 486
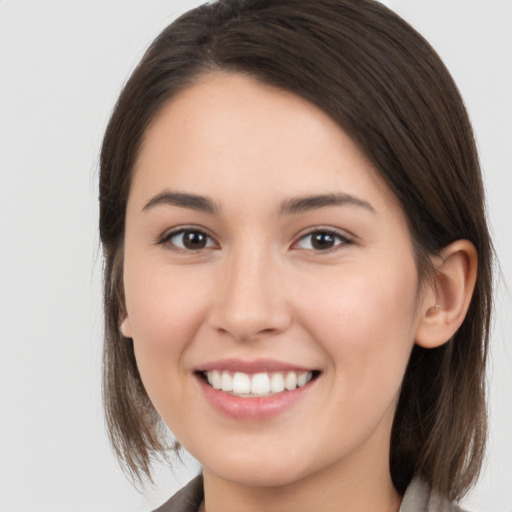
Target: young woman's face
263, 252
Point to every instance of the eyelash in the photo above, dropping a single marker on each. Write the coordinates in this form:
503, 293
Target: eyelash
325, 233
166, 239
331, 233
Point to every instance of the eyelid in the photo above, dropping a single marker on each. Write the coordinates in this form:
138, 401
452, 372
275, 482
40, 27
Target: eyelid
346, 239
165, 238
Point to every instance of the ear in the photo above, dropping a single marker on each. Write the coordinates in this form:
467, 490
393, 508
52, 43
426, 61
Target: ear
444, 307
126, 328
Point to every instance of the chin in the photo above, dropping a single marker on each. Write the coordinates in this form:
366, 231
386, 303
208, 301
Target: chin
260, 476
259, 471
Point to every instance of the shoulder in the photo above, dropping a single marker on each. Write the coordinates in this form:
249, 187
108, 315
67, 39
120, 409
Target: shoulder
188, 499
419, 498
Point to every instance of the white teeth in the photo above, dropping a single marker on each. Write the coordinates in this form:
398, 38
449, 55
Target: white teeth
259, 384
303, 378
277, 383
216, 379
241, 383
290, 381
226, 382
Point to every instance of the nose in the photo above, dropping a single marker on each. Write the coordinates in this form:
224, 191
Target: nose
251, 301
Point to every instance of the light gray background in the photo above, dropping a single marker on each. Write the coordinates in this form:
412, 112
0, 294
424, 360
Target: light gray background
62, 64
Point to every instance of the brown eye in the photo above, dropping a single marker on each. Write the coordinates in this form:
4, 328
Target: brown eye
321, 240
189, 240
194, 240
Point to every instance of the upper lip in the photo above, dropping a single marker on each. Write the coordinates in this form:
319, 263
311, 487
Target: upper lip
252, 366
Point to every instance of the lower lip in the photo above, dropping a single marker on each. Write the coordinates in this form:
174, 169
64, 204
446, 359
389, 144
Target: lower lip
253, 408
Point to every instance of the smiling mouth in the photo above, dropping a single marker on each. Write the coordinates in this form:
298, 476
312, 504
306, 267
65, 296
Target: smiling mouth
245, 385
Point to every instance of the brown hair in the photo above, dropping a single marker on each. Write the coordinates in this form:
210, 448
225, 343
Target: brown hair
387, 88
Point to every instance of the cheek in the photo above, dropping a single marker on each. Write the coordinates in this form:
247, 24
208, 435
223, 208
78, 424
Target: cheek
365, 321
166, 309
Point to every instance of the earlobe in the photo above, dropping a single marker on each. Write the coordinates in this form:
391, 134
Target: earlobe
444, 309
126, 328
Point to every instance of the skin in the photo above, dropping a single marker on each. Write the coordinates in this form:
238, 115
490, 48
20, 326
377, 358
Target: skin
259, 289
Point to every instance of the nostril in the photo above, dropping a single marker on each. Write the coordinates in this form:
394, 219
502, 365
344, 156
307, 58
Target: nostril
268, 331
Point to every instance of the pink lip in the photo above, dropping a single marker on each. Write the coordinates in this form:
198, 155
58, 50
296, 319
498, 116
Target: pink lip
254, 409
250, 367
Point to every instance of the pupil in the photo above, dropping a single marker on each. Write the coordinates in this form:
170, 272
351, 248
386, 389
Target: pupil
194, 240
323, 241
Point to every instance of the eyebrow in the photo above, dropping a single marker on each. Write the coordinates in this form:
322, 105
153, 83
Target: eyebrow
315, 202
289, 207
190, 201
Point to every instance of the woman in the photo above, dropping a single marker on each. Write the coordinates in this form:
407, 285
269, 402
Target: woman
298, 267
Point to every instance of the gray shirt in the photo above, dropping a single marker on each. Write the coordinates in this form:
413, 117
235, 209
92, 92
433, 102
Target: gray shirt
417, 498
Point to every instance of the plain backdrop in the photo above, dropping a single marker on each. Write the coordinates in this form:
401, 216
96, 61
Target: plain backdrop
62, 64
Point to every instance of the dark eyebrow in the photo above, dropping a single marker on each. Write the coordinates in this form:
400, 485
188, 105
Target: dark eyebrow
191, 201
306, 203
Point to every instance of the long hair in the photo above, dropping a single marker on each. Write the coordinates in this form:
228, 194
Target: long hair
387, 88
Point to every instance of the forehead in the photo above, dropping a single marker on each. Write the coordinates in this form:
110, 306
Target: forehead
228, 133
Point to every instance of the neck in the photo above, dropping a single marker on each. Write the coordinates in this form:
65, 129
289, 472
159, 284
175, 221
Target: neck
340, 487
